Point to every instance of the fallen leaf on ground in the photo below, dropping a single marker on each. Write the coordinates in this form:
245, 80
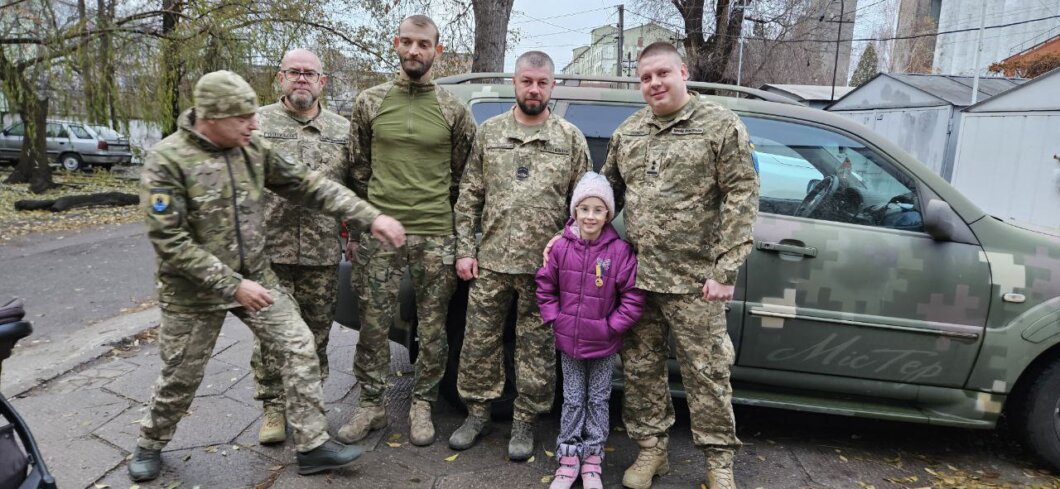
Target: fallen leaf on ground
393, 444
546, 479
549, 454
530, 460
452, 457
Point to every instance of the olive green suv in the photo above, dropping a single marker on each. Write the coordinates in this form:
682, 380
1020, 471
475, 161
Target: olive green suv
874, 288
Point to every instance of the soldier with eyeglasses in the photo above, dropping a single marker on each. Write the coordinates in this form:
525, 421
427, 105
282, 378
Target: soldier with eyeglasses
302, 243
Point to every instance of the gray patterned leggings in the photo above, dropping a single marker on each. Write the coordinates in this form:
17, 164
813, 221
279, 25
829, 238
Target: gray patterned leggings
584, 421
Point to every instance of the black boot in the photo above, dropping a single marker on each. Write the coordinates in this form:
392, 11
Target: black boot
145, 465
330, 455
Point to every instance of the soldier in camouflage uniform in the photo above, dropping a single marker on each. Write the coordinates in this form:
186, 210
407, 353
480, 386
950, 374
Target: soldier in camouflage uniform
202, 192
682, 166
409, 140
302, 244
523, 168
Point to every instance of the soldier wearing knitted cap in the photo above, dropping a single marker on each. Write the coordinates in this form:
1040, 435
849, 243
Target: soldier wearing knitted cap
202, 191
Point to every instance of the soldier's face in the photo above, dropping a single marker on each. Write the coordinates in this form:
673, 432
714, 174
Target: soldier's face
533, 88
230, 132
416, 48
301, 92
662, 82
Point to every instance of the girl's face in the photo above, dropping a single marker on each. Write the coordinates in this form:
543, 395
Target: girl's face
591, 215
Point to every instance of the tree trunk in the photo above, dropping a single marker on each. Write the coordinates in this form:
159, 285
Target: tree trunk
32, 165
708, 57
172, 71
491, 34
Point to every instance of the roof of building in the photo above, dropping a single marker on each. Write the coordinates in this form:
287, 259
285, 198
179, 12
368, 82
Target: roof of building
803, 93
1037, 94
927, 90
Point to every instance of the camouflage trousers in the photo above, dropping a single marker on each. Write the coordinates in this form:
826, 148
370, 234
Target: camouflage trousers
314, 289
430, 261
186, 341
704, 354
481, 377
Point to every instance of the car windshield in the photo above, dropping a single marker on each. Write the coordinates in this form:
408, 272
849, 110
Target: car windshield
106, 132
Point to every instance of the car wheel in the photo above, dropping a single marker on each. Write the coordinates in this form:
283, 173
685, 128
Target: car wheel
1037, 415
71, 162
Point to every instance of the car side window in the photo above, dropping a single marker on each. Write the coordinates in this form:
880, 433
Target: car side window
598, 122
54, 130
484, 110
79, 132
17, 130
808, 171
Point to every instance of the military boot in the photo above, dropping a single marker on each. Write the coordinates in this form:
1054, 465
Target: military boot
145, 465
476, 425
330, 455
719, 468
421, 427
366, 419
651, 461
273, 427
521, 446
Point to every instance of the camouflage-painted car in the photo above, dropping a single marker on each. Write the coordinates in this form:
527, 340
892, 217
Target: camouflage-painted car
875, 288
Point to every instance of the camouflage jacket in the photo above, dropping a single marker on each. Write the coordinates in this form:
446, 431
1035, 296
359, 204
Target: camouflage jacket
366, 108
297, 235
690, 193
517, 190
206, 215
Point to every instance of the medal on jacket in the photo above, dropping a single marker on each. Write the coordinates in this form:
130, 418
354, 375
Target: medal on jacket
599, 275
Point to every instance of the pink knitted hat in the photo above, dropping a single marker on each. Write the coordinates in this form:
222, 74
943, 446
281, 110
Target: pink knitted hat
594, 185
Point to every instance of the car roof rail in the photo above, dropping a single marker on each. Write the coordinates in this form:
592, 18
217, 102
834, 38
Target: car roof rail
620, 82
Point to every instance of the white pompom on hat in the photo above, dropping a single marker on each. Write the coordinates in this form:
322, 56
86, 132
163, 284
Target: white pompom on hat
596, 185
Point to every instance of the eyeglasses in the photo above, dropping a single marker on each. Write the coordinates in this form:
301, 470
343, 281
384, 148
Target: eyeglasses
293, 75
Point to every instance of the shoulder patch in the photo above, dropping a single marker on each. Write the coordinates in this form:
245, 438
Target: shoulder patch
160, 199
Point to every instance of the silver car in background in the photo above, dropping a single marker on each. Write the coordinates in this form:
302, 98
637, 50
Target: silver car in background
73, 145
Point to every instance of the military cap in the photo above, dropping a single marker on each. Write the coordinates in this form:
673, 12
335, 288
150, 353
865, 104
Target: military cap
223, 94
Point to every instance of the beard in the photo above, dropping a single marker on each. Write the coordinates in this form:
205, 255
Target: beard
532, 110
416, 68
301, 100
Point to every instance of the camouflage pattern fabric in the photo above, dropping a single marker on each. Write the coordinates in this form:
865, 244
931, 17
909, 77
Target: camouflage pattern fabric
430, 261
366, 107
297, 235
206, 215
314, 290
690, 193
223, 94
481, 376
517, 187
704, 352
186, 341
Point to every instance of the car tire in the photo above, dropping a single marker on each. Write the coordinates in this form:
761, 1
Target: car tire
71, 162
1036, 415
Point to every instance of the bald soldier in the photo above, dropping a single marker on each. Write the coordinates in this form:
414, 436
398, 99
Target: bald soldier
301, 243
685, 165
202, 192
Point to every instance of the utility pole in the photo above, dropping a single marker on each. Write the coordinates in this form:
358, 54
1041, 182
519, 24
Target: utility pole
978, 51
621, 39
739, 63
838, 39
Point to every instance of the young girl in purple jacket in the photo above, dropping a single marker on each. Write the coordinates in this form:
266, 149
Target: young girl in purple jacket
587, 291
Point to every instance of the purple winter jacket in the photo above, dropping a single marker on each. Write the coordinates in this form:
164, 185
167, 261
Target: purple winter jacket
589, 321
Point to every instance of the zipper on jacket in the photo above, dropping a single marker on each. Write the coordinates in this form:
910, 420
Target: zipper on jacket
581, 298
235, 213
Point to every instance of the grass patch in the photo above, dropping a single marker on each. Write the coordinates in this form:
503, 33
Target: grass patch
18, 223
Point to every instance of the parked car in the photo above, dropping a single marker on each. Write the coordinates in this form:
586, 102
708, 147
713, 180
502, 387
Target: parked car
874, 288
72, 145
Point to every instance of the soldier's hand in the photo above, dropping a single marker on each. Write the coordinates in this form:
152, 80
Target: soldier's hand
351, 249
388, 231
548, 248
714, 291
253, 296
467, 268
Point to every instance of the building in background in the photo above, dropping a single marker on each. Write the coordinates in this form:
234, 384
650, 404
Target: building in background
919, 113
599, 57
915, 24
955, 52
815, 96
1029, 63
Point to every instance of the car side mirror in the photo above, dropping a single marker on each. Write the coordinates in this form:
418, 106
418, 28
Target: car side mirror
940, 221
811, 184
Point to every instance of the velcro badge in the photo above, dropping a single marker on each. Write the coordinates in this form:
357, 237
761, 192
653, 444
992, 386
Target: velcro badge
684, 131
160, 199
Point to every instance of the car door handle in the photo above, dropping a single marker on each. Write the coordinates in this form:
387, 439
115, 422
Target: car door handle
786, 248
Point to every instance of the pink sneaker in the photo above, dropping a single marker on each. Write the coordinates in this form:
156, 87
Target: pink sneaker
566, 474
591, 472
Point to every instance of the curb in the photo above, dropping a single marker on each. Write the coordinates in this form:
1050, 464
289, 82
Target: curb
31, 367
